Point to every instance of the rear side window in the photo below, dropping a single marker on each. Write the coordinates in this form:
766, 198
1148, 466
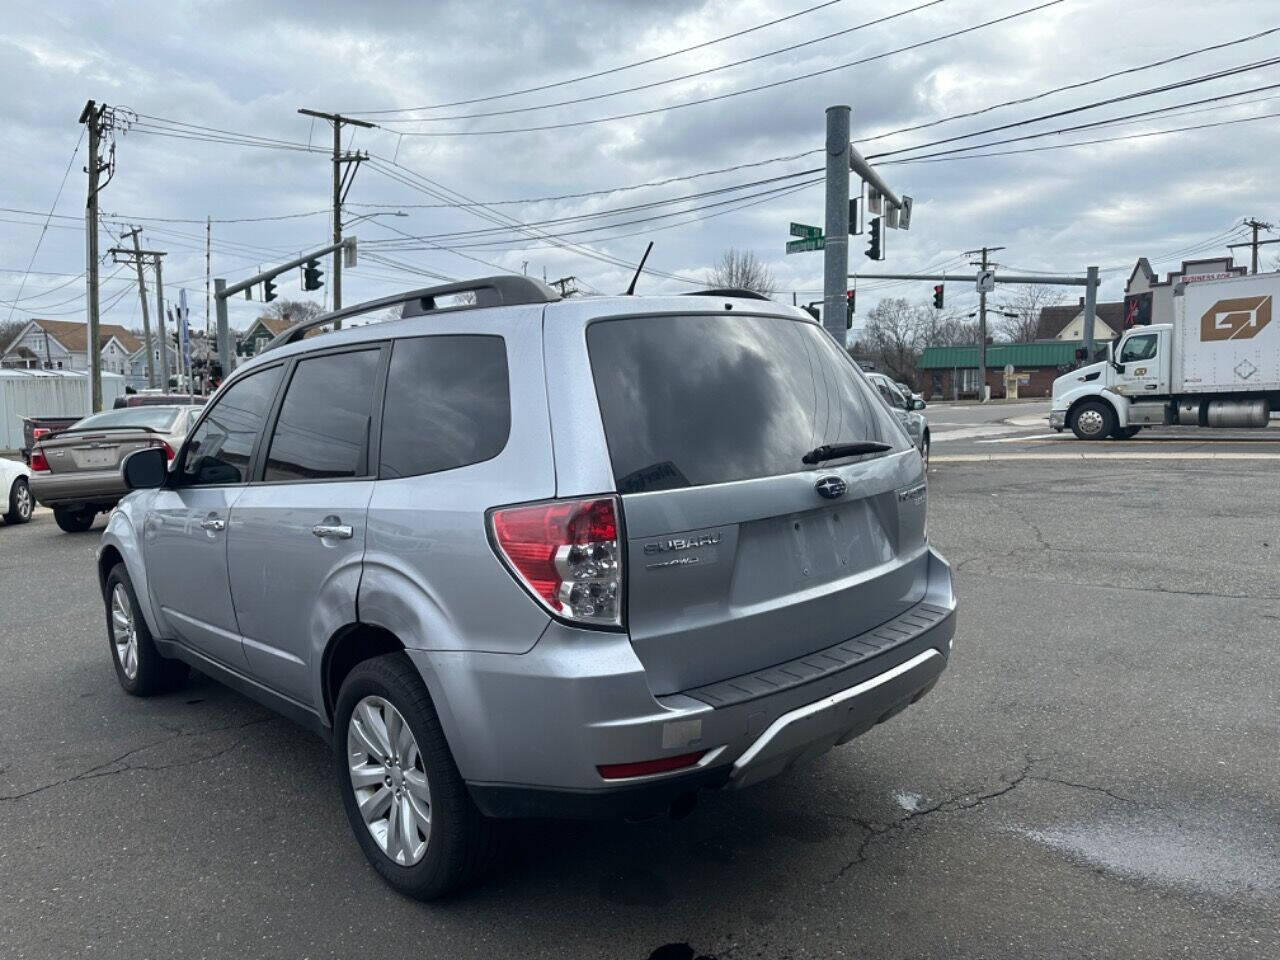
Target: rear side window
219, 450
448, 404
693, 400
322, 432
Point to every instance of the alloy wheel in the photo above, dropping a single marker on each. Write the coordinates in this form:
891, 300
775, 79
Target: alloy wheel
124, 633
22, 502
389, 779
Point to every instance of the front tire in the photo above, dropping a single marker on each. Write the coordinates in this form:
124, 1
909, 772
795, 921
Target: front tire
140, 668
21, 504
1125, 433
74, 519
407, 804
1093, 420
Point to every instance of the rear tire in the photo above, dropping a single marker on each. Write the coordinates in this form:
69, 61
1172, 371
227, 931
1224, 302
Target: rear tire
140, 668
74, 519
460, 843
20, 503
1093, 420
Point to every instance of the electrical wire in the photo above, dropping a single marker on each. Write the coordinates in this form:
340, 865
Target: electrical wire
669, 80
602, 73
1150, 91
1081, 143
738, 93
40, 239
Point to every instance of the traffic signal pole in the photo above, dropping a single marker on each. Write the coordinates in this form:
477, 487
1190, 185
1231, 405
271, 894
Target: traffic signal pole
835, 264
221, 292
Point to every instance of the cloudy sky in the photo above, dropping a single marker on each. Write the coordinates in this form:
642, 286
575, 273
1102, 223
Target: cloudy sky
181, 71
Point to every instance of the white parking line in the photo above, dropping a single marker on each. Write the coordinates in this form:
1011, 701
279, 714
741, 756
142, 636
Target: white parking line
1113, 455
1034, 436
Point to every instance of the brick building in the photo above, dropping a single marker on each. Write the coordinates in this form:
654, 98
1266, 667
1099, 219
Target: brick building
948, 373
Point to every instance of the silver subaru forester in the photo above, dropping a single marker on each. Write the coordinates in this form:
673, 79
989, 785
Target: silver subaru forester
538, 557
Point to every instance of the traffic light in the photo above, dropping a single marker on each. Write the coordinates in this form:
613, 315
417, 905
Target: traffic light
873, 247
268, 290
850, 296
937, 296
311, 275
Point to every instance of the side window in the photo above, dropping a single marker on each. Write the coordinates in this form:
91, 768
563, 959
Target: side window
323, 428
448, 404
1139, 348
219, 450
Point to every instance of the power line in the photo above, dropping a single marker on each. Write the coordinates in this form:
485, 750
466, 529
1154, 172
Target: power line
1070, 86
43, 230
737, 93
1150, 91
1080, 143
669, 80
601, 73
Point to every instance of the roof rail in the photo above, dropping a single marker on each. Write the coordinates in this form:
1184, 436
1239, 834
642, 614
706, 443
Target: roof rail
739, 292
500, 291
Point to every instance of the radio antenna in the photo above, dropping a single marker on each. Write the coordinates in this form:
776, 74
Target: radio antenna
631, 290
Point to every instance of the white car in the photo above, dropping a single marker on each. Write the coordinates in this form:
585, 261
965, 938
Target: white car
15, 491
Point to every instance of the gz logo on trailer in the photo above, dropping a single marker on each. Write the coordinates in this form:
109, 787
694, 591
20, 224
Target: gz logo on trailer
1238, 319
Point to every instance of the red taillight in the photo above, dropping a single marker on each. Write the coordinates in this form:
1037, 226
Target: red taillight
38, 460
642, 768
566, 552
38, 432
168, 450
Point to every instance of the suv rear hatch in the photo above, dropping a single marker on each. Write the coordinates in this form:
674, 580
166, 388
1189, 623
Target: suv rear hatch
735, 559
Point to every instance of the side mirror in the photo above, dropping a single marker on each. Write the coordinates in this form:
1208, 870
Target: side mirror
145, 469
918, 405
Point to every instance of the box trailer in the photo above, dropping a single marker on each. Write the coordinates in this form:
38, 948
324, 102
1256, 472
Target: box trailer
1216, 365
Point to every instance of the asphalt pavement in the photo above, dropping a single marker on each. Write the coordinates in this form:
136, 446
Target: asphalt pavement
1019, 430
1097, 774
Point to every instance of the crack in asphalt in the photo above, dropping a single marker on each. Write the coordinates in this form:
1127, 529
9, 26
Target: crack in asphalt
873, 830
99, 770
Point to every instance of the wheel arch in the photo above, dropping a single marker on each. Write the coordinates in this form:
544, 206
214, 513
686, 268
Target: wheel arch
1089, 398
348, 646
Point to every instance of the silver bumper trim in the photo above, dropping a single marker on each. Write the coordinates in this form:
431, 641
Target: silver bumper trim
816, 727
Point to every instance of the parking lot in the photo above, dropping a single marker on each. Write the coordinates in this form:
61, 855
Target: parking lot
1097, 774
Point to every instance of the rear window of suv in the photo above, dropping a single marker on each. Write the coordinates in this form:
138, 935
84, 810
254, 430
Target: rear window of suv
693, 400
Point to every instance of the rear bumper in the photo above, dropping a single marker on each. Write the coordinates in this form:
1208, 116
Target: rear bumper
529, 731
100, 487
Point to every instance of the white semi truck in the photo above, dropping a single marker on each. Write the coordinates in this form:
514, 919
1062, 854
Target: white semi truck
1216, 365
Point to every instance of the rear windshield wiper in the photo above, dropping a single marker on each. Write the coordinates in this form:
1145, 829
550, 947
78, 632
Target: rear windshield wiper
834, 451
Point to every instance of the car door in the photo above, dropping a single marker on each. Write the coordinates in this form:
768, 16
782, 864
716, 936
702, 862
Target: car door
184, 531
1141, 362
297, 535
898, 404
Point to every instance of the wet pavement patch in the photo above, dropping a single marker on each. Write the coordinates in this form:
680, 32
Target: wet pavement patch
1221, 856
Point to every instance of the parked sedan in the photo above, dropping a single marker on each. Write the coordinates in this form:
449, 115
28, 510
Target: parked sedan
15, 494
77, 471
907, 409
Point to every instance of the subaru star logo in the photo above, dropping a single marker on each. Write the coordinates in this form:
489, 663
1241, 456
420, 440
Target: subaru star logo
831, 487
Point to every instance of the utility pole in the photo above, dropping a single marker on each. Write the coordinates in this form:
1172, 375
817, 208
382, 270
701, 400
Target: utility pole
1256, 225
835, 259
982, 322
164, 339
1090, 309
208, 268
91, 116
146, 314
342, 181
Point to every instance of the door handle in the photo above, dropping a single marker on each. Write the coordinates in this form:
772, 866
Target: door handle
213, 523
338, 531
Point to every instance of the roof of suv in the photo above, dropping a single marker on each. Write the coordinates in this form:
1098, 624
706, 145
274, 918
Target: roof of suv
493, 293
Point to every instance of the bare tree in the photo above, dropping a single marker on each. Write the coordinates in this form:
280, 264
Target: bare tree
893, 336
742, 270
1025, 302
295, 310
